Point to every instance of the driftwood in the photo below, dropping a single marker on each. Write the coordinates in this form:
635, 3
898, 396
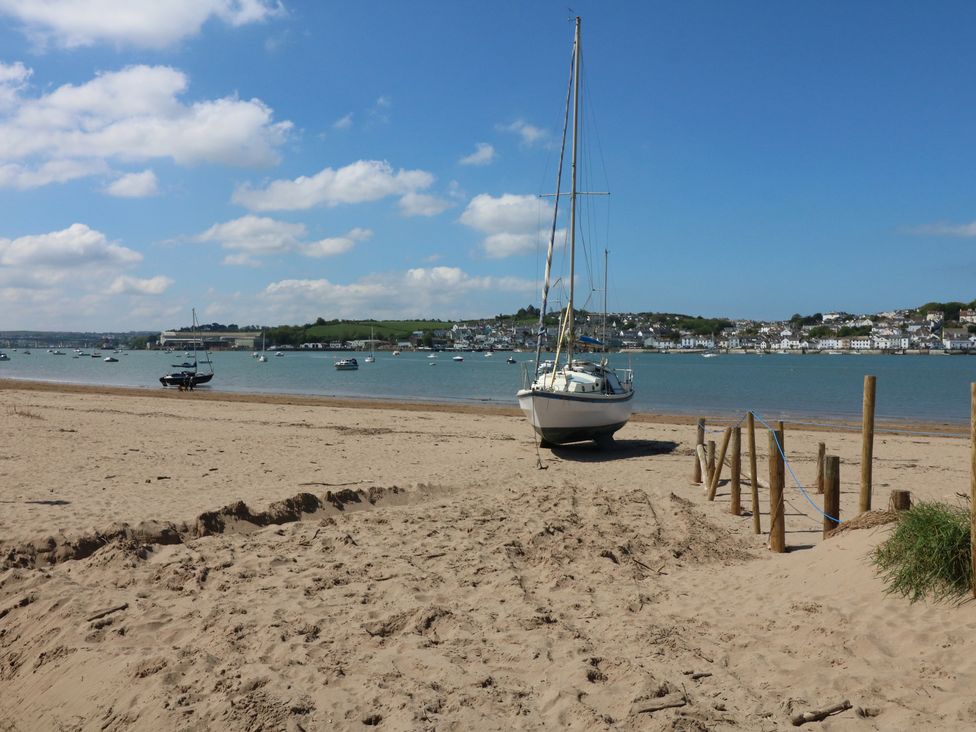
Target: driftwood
107, 611
674, 699
819, 714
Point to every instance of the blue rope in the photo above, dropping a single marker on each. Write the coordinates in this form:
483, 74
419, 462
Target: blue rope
792, 474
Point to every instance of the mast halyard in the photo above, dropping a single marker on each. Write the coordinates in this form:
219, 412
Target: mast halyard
571, 323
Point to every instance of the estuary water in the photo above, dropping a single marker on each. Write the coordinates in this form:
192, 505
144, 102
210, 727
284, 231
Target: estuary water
922, 388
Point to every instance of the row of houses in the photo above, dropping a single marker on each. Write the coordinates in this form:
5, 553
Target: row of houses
950, 339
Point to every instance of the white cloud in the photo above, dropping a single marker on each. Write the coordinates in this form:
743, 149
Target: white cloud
125, 285
530, 134
134, 185
131, 115
343, 123
359, 182
482, 155
14, 175
13, 78
76, 246
136, 23
422, 204
337, 244
423, 292
380, 111
69, 278
961, 230
512, 224
255, 236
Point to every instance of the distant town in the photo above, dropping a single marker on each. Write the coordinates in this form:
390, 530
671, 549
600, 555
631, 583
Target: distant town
931, 328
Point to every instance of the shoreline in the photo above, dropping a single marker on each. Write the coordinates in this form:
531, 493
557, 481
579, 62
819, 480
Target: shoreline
946, 428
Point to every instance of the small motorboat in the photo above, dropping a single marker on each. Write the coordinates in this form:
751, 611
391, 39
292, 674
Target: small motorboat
396, 353
347, 364
4, 356
458, 358
110, 359
510, 360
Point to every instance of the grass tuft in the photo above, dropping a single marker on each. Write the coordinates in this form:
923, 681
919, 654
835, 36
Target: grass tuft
928, 553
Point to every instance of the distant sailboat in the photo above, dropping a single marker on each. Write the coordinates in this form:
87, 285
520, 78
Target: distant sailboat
263, 356
370, 358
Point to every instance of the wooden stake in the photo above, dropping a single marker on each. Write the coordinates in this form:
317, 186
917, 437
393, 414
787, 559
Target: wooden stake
972, 482
777, 523
736, 508
696, 474
831, 492
821, 451
753, 474
867, 443
721, 464
900, 500
702, 459
710, 452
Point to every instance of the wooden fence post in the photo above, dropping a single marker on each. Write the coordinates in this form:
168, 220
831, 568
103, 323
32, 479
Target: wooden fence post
777, 524
736, 507
821, 452
972, 481
753, 474
867, 443
831, 493
713, 484
696, 474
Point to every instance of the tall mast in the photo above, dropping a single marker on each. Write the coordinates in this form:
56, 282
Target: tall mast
541, 333
605, 254
571, 325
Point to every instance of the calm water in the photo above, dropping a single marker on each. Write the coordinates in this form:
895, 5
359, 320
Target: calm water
931, 388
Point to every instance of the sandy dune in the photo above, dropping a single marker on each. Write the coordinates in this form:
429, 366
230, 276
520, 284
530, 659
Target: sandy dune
441, 579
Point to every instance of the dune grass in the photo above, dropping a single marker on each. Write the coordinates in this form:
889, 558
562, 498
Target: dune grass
928, 554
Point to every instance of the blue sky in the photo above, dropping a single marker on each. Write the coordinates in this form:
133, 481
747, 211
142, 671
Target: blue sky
274, 162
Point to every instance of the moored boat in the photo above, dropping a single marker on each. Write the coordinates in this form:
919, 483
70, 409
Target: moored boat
190, 374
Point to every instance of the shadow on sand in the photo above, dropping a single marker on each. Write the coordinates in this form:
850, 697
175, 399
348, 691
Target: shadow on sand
589, 452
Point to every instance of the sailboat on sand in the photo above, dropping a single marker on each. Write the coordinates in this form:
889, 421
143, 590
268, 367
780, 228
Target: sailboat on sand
570, 399
194, 372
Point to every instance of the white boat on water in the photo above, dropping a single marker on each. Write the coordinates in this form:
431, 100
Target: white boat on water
458, 358
570, 399
347, 364
262, 356
371, 358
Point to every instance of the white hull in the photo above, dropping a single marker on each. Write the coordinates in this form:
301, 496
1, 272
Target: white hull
559, 418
